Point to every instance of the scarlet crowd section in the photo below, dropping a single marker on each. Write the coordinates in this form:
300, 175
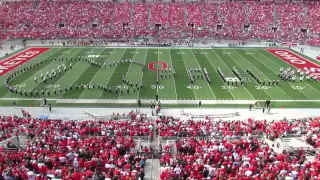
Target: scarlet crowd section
109, 149
42, 20
236, 150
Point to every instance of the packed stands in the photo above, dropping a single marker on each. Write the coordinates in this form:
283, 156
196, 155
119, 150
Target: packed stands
313, 21
159, 13
195, 14
80, 14
290, 20
260, 19
246, 157
176, 15
140, 17
75, 149
211, 16
203, 148
122, 14
73, 19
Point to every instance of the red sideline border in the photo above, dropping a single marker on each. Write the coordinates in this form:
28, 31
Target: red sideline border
12, 62
297, 61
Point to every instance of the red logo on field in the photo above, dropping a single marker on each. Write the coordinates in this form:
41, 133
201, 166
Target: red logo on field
297, 61
152, 67
15, 61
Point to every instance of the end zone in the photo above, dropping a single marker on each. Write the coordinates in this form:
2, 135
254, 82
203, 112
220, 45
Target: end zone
297, 61
15, 61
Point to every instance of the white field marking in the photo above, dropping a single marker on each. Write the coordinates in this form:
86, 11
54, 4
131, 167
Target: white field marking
218, 74
135, 53
291, 66
112, 72
25, 81
143, 47
265, 90
143, 72
124, 101
98, 70
201, 70
269, 79
68, 73
187, 73
174, 81
28, 63
231, 71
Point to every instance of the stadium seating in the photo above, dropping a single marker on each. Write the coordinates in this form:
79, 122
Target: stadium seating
313, 21
260, 16
159, 13
122, 14
40, 20
140, 17
87, 147
195, 14
176, 15
220, 129
211, 16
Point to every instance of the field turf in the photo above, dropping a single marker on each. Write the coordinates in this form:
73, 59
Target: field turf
259, 60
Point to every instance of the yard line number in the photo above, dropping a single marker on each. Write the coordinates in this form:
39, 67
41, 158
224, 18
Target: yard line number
262, 87
181, 52
20, 85
194, 87
155, 86
297, 87
123, 87
52, 86
228, 87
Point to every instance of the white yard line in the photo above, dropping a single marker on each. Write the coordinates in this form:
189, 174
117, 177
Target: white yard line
173, 101
143, 72
280, 66
98, 70
231, 72
218, 74
174, 81
187, 73
203, 79
112, 72
128, 71
260, 73
250, 76
267, 77
39, 71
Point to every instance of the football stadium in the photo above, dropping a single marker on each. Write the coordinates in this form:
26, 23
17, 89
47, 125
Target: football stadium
164, 90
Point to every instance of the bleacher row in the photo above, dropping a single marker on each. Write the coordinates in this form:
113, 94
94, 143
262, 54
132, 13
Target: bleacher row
42, 20
246, 157
106, 148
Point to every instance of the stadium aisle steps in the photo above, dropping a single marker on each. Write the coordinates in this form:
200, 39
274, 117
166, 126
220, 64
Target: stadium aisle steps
275, 15
152, 169
149, 16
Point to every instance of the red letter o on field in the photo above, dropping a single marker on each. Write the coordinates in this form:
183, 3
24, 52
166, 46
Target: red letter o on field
152, 67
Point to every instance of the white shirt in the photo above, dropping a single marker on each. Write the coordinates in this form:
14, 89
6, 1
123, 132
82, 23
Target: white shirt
177, 170
248, 173
62, 159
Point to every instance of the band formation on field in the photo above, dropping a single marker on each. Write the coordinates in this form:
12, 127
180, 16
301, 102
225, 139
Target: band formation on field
168, 74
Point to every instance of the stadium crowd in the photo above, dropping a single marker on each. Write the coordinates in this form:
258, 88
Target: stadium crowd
107, 150
245, 157
75, 149
46, 19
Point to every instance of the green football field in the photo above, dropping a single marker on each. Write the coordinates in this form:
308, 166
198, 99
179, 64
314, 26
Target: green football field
264, 64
